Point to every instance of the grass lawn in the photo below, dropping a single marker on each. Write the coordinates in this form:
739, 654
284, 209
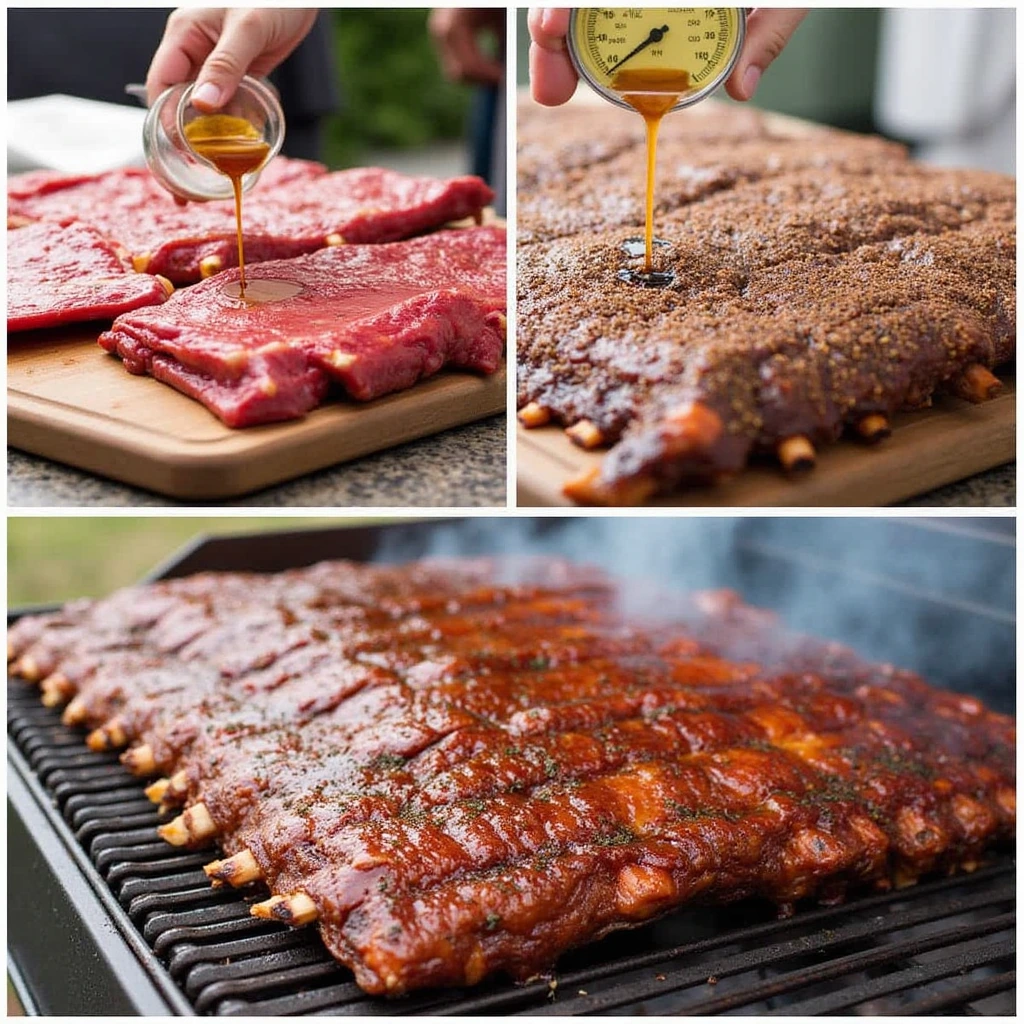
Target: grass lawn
57, 558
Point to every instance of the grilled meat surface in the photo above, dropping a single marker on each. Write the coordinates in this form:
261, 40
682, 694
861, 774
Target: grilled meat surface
819, 279
470, 767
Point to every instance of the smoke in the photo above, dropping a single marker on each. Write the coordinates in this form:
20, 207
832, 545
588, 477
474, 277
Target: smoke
937, 600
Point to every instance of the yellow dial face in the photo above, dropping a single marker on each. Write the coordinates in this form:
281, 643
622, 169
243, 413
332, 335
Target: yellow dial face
703, 42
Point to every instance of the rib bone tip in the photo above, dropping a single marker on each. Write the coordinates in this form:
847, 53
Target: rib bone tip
296, 909
156, 791
796, 454
534, 415
28, 669
139, 760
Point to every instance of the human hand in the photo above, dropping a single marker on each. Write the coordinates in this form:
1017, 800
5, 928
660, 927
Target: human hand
553, 78
456, 33
217, 47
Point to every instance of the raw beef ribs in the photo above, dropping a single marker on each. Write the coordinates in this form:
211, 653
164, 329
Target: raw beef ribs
372, 318
465, 768
58, 275
295, 208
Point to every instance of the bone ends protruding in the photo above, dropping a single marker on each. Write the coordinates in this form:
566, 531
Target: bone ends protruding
109, 736
169, 791
241, 869
796, 454
190, 827
873, 427
57, 689
295, 909
977, 384
139, 760
533, 415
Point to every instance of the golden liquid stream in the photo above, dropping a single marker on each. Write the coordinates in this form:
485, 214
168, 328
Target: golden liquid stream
235, 148
652, 93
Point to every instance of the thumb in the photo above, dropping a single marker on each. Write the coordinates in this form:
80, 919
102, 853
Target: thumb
768, 32
241, 42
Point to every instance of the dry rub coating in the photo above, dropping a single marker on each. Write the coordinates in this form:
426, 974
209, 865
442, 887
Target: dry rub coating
819, 280
466, 768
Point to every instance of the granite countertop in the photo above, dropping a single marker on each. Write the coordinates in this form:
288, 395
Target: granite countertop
463, 467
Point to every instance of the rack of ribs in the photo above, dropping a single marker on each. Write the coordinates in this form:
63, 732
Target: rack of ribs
370, 318
464, 768
823, 282
296, 207
59, 275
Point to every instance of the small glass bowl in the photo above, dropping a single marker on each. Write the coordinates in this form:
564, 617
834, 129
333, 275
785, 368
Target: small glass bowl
178, 167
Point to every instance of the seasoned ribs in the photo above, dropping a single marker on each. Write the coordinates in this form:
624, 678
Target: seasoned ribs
295, 208
371, 318
58, 275
462, 768
822, 282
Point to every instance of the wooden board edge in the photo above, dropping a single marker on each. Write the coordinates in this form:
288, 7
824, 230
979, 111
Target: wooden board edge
189, 474
915, 460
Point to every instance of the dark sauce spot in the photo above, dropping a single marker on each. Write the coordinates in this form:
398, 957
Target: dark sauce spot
654, 279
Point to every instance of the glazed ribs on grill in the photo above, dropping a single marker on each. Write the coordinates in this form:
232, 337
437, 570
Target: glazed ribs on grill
463, 768
823, 281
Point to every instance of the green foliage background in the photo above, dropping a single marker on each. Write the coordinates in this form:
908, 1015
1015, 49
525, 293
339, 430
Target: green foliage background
394, 95
55, 558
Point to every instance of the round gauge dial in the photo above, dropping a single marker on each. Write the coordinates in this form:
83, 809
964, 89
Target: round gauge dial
696, 46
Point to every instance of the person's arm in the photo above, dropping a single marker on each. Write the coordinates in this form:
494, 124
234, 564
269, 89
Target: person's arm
457, 33
217, 47
553, 78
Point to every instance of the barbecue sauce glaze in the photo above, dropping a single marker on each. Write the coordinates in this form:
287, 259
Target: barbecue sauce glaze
235, 148
652, 92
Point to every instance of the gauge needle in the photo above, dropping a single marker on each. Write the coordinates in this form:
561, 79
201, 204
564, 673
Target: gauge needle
656, 36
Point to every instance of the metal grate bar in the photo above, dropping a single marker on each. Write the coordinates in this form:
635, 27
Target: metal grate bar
796, 948
976, 956
574, 980
966, 992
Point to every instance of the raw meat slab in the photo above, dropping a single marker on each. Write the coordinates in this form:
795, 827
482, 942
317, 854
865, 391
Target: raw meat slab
295, 208
374, 319
58, 275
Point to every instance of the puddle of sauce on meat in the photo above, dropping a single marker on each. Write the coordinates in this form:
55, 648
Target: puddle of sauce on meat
262, 289
235, 148
652, 93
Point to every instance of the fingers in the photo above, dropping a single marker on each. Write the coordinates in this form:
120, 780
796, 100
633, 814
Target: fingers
244, 38
552, 76
188, 39
218, 47
768, 31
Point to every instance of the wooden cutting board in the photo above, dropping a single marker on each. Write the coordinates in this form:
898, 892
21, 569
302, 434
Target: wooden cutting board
69, 401
948, 442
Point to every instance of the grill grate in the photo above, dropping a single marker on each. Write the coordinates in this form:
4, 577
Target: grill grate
946, 946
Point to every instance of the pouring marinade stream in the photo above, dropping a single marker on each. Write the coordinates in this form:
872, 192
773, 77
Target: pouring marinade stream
236, 148
676, 56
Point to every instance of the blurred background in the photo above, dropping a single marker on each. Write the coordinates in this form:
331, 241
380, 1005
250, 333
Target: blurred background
936, 595
366, 87
941, 80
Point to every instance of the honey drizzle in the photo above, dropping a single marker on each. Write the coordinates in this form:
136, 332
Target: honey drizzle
235, 148
652, 93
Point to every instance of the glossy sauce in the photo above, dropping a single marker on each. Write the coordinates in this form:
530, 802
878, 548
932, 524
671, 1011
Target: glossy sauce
262, 290
652, 93
235, 148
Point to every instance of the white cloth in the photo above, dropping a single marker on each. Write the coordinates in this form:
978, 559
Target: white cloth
72, 135
947, 82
